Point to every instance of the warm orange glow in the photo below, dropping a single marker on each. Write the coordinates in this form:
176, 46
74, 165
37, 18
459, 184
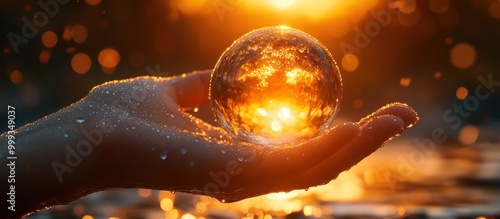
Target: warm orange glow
462, 93
79, 33
495, 9
87, 217
405, 82
166, 204
16, 77
78, 209
438, 75
468, 134
93, 2
401, 211
463, 55
313, 10
81, 63
49, 39
67, 35
439, 6
144, 192
283, 93
109, 58
108, 71
188, 216
44, 56
174, 214
410, 19
192, 7
281, 4
350, 62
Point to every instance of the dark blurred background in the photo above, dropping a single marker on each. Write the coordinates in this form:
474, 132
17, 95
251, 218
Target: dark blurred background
430, 54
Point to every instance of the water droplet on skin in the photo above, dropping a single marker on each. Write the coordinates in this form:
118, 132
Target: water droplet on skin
132, 127
370, 128
168, 136
66, 135
80, 120
223, 200
183, 150
58, 118
240, 158
163, 155
223, 151
107, 92
171, 115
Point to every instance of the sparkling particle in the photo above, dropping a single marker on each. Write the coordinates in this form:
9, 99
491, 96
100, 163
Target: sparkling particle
275, 85
80, 120
163, 155
183, 150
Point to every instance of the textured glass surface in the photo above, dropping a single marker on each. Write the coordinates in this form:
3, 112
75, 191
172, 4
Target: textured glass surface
275, 85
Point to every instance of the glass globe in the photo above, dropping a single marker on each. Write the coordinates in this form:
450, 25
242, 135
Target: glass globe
275, 86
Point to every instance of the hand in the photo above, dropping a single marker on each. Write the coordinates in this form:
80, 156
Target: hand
156, 145
135, 134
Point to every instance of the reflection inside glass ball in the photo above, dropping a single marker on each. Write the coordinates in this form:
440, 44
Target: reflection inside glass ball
275, 86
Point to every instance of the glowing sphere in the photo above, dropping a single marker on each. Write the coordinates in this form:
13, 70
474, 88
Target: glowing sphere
275, 86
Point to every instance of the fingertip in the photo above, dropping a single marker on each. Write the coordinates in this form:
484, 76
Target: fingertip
382, 128
402, 110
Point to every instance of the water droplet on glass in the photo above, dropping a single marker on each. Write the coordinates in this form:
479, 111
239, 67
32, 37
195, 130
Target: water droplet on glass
163, 155
183, 150
80, 120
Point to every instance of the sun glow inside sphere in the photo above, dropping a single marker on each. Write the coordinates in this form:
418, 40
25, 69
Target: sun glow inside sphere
275, 86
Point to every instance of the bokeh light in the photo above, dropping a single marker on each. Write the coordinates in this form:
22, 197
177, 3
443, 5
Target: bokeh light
468, 135
495, 9
81, 63
350, 62
16, 77
93, 2
44, 56
166, 204
79, 33
49, 39
405, 82
109, 58
463, 55
462, 93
